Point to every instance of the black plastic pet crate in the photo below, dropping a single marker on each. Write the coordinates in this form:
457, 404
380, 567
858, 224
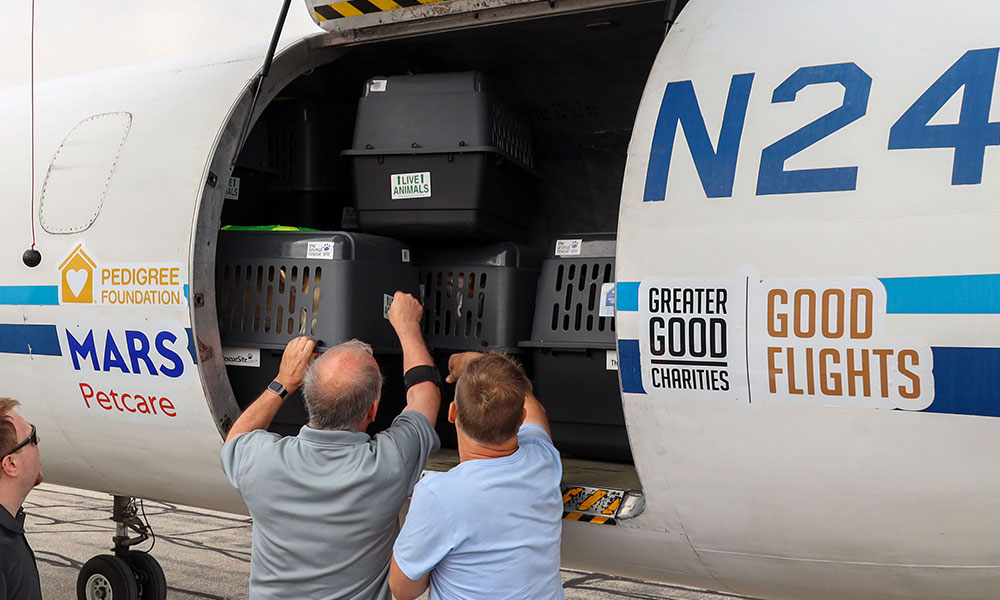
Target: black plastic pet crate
478, 297
439, 155
573, 349
273, 286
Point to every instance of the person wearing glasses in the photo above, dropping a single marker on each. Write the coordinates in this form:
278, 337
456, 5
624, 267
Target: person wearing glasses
325, 503
20, 471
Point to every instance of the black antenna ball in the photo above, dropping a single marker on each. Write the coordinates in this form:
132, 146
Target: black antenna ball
31, 257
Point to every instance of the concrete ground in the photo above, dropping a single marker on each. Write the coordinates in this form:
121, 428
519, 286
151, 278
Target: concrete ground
206, 554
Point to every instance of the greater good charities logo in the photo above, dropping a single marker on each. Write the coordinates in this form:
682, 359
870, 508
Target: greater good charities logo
85, 281
410, 185
800, 341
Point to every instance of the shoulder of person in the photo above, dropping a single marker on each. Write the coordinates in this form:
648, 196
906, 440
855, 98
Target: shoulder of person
254, 439
440, 484
412, 418
407, 422
535, 439
531, 433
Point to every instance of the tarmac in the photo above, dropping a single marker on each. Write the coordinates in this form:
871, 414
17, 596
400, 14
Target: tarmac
206, 554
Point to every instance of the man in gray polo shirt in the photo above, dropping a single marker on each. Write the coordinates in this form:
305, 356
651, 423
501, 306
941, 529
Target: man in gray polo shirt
325, 503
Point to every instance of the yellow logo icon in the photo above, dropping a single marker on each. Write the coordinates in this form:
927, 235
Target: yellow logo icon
78, 277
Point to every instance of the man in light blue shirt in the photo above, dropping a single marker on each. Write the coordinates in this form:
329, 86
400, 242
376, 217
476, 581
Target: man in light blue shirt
489, 528
325, 503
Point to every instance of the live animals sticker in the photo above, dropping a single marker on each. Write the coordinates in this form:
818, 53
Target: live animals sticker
233, 189
410, 185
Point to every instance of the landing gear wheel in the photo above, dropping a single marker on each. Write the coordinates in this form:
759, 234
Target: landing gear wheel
149, 576
106, 577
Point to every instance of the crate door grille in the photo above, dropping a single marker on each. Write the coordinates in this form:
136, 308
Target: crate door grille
578, 293
456, 302
269, 302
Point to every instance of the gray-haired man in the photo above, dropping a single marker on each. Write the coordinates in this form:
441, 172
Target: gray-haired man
325, 503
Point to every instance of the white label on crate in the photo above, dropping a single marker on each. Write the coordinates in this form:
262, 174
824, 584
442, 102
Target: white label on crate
241, 357
568, 247
612, 360
377, 85
349, 218
233, 189
406, 255
386, 304
410, 185
322, 250
607, 300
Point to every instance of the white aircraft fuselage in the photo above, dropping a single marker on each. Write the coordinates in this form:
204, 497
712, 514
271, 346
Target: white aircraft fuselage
807, 280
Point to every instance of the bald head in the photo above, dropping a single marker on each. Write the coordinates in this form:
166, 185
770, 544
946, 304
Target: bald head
341, 386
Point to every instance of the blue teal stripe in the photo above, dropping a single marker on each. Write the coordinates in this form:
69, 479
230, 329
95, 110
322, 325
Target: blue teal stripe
966, 380
627, 296
29, 339
943, 295
29, 295
934, 295
630, 366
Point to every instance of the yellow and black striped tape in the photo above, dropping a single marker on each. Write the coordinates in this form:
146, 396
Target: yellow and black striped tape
592, 500
598, 519
354, 8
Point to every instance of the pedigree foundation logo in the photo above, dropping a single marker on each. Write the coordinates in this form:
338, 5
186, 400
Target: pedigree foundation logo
77, 277
85, 280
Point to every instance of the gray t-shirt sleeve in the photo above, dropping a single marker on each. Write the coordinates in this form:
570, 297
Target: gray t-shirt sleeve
414, 438
238, 455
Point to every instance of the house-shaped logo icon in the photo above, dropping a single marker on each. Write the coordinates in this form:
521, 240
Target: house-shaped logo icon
77, 277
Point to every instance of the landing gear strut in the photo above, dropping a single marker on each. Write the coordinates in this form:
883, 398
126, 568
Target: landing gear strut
127, 574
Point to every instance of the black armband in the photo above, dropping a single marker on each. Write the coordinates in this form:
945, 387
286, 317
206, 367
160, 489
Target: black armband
420, 374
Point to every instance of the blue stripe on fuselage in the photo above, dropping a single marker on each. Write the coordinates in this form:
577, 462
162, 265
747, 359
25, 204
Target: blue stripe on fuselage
29, 295
40, 340
934, 295
966, 380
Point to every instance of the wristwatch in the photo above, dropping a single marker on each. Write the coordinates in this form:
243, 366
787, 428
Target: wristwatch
420, 374
276, 387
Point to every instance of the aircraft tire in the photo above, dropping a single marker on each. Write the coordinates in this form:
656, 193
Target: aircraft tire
152, 583
106, 577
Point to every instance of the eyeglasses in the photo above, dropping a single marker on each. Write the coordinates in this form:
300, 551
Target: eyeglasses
33, 438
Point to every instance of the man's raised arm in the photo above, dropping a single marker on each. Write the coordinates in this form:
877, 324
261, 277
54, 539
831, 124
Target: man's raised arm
405, 315
294, 362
